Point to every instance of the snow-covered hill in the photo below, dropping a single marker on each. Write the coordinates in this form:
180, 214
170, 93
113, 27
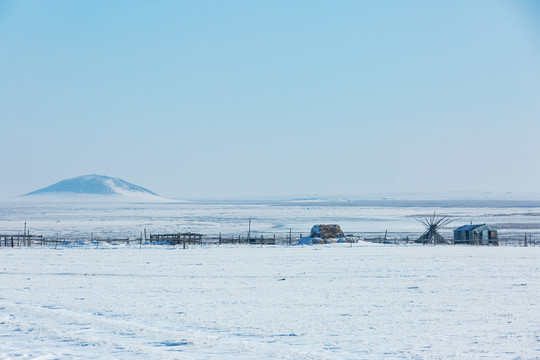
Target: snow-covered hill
94, 187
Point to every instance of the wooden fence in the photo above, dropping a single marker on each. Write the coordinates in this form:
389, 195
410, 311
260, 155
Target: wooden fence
253, 238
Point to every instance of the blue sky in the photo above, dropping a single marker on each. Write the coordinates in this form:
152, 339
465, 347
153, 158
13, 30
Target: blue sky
272, 98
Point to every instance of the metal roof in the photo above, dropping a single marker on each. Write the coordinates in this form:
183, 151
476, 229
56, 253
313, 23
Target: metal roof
468, 227
473, 227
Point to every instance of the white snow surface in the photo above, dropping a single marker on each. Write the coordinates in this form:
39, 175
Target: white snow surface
314, 302
120, 196
128, 219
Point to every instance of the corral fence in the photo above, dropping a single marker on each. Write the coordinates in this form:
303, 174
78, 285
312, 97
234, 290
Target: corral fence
252, 238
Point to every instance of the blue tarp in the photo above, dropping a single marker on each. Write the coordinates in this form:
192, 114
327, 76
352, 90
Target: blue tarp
305, 241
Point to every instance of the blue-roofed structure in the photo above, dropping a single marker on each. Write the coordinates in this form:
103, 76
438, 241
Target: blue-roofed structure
480, 234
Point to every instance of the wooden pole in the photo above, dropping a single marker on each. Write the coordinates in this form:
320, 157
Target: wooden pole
290, 236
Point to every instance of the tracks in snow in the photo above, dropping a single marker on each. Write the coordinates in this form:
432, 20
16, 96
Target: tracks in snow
88, 335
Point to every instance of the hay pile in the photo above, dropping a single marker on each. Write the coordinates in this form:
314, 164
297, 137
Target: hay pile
327, 232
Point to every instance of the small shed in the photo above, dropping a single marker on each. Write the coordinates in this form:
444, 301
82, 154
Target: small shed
481, 234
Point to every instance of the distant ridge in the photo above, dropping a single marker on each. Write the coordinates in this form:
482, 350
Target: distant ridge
94, 185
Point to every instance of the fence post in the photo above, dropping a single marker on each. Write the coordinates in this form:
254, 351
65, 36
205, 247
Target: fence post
290, 236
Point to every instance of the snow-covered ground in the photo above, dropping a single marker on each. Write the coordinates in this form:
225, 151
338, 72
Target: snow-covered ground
72, 219
318, 302
364, 301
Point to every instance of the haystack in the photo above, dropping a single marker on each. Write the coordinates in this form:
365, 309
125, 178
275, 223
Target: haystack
327, 232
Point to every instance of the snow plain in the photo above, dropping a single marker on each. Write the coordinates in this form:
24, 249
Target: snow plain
121, 220
315, 302
335, 301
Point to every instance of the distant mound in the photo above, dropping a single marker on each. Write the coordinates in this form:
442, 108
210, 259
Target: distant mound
88, 185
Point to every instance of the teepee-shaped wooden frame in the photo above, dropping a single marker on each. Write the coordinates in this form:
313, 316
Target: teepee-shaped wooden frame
433, 224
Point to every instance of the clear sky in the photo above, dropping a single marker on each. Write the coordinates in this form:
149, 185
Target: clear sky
272, 98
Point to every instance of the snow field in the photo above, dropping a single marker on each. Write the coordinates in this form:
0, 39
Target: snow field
318, 302
121, 220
